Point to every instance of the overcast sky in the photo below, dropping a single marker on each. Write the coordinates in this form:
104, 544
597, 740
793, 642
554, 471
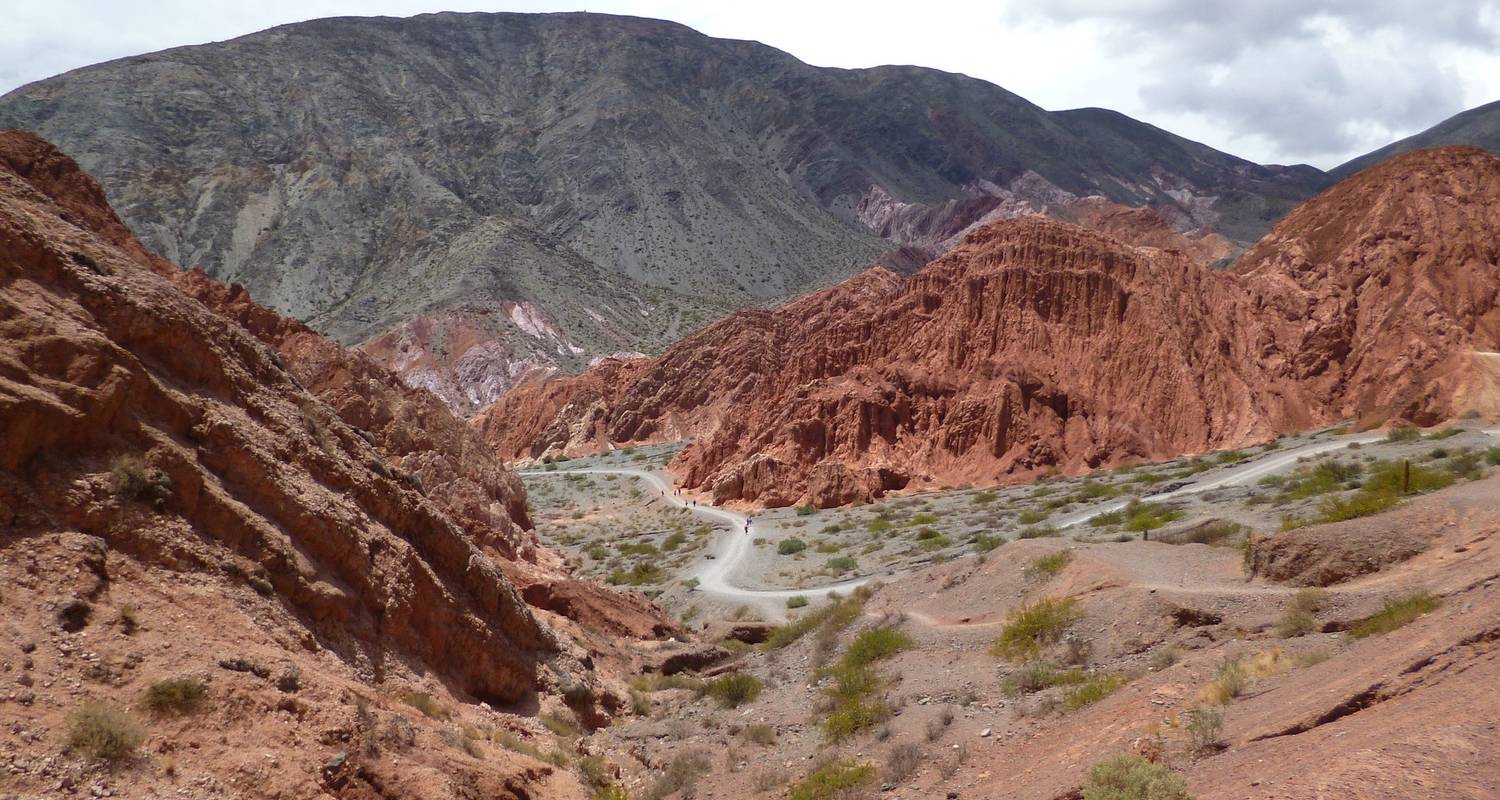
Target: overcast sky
1286, 81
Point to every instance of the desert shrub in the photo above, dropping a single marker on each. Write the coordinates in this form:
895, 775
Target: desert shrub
681, 774
1036, 676
806, 511
638, 575
612, 792
986, 497
878, 525
924, 518
832, 780
1049, 565
1163, 657
1031, 516
835, 616
1037, 532
1300, 615
763, 735
1492, 456
1214, 532
1143, 517
842, 563
876, 644
425, 703
1446, 433
674, 540
986, 542
852, 716
1403, 434
175, 695
1396, 613
1106, 519
1093, 490
1228, 683
1389, 476
901, 761
829, 547
1204, 728
1030, 627
103, 731
133, 479
796, 601
1127, 777
734, 690
1321, 478
1094, 688
559, 725
789, 546
1465, 466
939, 723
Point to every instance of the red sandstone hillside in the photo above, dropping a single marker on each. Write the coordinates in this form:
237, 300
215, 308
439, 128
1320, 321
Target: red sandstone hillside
1036, 344
178, 498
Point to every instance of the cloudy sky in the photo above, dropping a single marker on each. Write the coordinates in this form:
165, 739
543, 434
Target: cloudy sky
1315, 81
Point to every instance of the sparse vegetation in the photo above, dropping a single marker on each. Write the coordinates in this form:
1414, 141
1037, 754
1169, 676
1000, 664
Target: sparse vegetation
760, 734
984, 498
790, 546
175, 695
1031, 516
1128, 777
1397, 613
1143, 517
1031, 627
1094, 688
835, 616
682, 773
1037, 676
425, 703
833, 780
842, 564
854, 682
1049, 565
901, 761
734, 690
1300, 616
796, 601
103, 731
1403, 434
1204, 728
133, 479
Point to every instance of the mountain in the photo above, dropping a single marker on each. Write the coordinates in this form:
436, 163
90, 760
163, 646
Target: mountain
262, 514
1479, 126
1037, 345
482, 198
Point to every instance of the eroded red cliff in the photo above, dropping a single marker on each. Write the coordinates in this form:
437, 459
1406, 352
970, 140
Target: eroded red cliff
1037, 344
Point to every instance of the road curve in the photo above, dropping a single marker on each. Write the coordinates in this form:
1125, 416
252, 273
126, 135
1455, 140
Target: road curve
714, 575
730, 550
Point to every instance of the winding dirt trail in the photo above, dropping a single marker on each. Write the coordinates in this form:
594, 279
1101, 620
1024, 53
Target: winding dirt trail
731, 550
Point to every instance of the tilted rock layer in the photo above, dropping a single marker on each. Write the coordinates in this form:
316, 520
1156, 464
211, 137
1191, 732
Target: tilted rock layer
136, 415
1037, 344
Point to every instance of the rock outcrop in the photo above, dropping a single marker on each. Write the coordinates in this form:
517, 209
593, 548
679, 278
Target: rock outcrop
511, 192
1039, 345
134, 414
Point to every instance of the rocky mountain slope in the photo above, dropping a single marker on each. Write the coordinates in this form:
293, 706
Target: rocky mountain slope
484, 197
1037, 345
1478, 126
180, 501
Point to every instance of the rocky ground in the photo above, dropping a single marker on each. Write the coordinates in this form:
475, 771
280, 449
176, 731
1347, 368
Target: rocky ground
1246, 687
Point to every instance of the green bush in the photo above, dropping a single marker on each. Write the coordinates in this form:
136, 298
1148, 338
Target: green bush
985, 542
1403, 434
425, 703
104, 731
806, 511
1128, 777
1300, 616
638, 575
1036, 676
790, 546
833, 780
1037, 532
852, 716
1397, 613
842, 564
796, 601
876, 644
834, 616
1093, 689
1388, 476
175, 695
1049, 565
1032, 516
987, 497
1143, 517
733, 690
1030, 627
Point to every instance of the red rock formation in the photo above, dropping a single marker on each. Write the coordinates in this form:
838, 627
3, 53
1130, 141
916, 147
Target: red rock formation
1036, 344
131, 413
